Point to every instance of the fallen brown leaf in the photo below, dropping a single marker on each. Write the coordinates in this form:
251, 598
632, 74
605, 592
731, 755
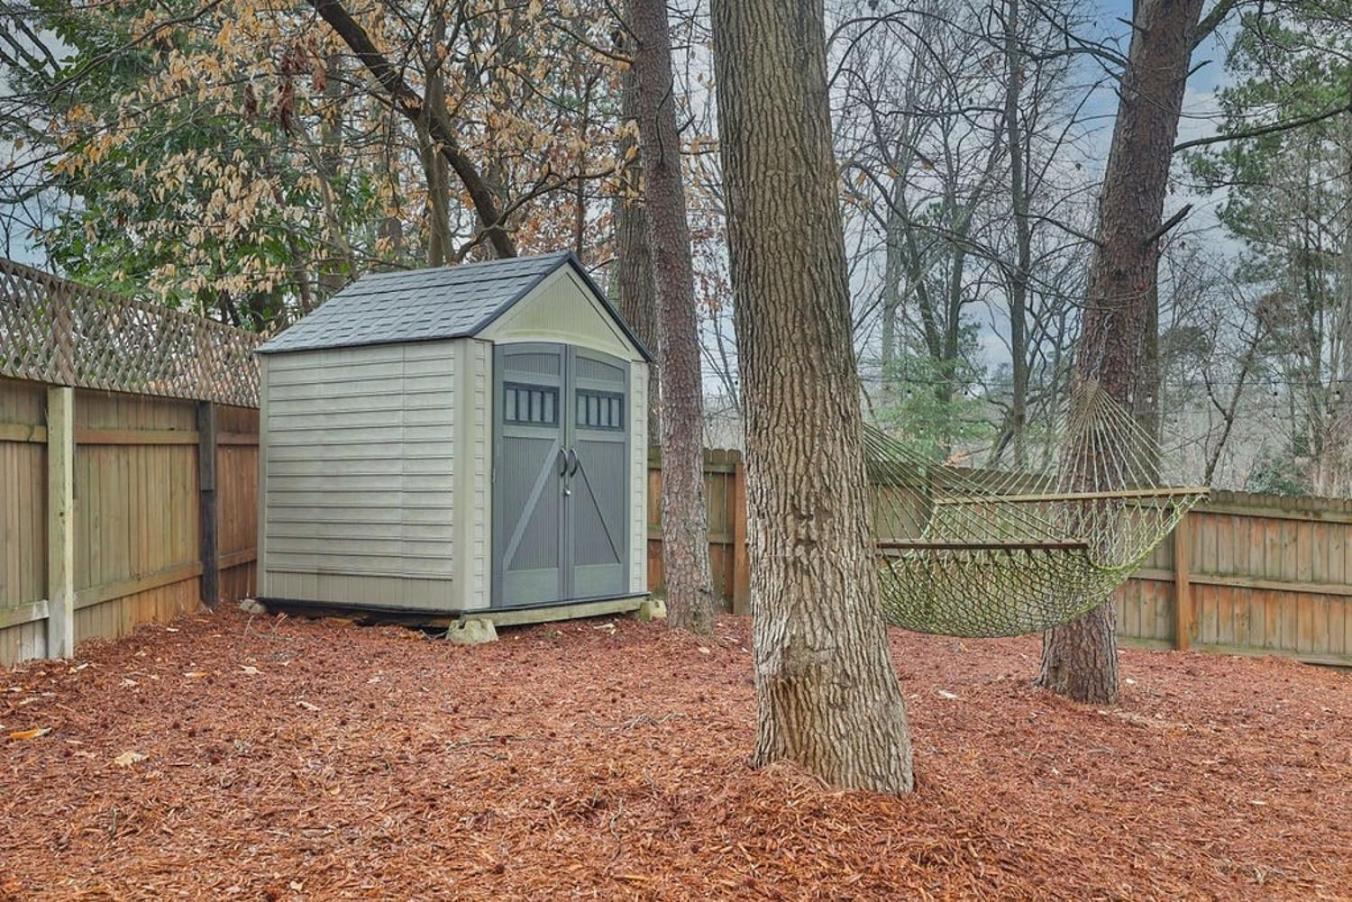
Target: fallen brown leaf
34, 733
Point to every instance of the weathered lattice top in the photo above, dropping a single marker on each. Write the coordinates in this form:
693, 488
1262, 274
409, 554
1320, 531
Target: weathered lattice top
56, 331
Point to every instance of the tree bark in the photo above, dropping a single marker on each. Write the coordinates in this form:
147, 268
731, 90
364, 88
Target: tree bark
685, 521
435, 172
1079, 660
891, 300
1146, 395
391, 227
827, 696
1333, 468
635, 289
338, 266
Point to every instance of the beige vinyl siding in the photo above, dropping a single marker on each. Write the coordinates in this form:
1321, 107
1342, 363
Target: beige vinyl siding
473, 461
638, 477
358, 475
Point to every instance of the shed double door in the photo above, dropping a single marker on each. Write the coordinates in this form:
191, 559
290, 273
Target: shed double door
560, 474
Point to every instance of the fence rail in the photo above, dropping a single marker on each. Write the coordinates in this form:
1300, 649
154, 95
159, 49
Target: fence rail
1242, 574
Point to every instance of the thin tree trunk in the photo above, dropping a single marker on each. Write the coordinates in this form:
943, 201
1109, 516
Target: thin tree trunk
436, 172
827, 696
1079, 660
635, 289
1146, 395
438, 197
1334, 475
1230, 409
1018, 196
338, 265
892, 275
391, 227
685, 521
580, 190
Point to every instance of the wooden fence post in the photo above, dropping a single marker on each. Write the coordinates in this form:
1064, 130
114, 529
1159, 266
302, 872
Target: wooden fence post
206, 487
60, 522
1183, 612
741, 556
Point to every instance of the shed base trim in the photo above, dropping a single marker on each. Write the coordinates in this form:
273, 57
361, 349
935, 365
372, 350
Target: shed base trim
563, 611
567, 610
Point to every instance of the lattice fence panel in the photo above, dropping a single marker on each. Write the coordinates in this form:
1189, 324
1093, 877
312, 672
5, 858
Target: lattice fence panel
56, 331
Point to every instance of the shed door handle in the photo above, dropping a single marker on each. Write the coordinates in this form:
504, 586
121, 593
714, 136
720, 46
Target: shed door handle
563, 463
572, 462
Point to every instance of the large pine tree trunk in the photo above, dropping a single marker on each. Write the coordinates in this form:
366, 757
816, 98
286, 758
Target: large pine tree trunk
635, 288
827, 695
685, 521
1079, 659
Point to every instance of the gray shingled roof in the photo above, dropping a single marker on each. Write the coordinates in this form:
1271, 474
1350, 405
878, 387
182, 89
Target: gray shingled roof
425, 304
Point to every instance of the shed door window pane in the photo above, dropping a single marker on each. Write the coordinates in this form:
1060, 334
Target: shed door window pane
600, 409
537, 404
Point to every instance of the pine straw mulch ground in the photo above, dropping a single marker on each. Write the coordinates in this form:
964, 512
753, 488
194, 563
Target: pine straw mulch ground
289, 759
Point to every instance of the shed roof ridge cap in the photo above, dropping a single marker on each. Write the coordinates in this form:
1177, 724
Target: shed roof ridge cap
477, 264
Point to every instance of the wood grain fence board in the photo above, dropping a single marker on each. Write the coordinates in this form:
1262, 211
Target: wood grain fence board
1347, 630
60, 484
23, 480
1224, 525
1304, 552
1272, 620
237, 503
1184, 599
23, 523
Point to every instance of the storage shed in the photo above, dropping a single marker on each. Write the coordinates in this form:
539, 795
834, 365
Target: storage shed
457, 440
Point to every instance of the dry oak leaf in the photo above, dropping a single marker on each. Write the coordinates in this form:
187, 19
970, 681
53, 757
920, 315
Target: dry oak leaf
34, 733
127, 759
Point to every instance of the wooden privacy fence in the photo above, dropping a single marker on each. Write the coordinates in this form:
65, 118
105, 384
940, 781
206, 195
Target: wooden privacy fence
128, 464
725, 500
1249, 574
1242, 574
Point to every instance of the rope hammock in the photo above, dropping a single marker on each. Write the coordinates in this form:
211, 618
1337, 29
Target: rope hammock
982, 554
